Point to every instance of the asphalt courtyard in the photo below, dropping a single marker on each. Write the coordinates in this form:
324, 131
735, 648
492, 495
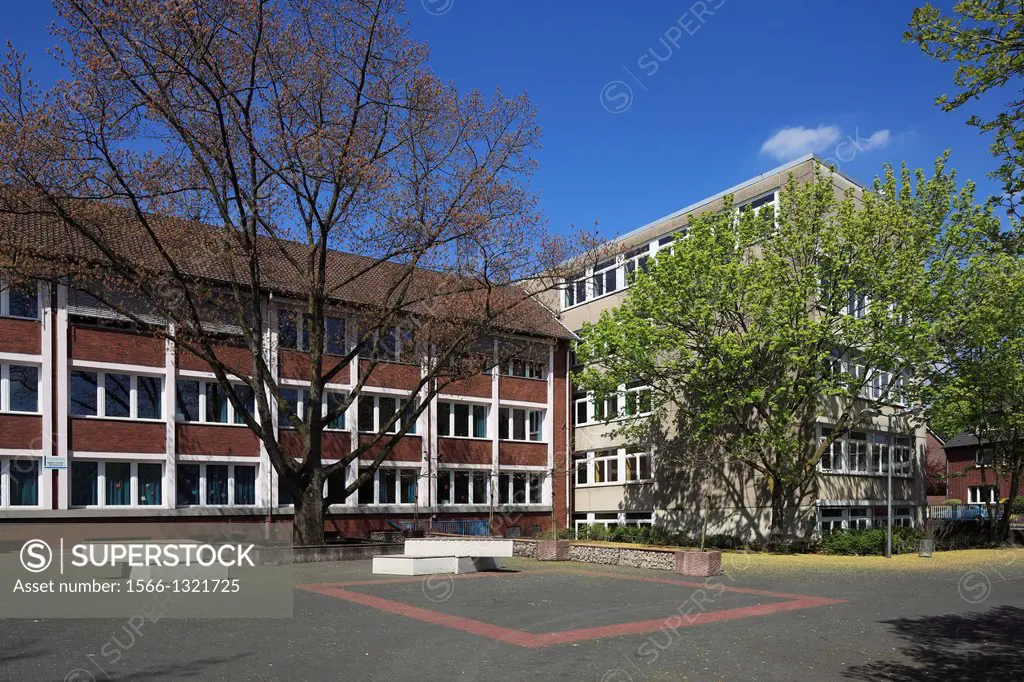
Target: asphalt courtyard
795, 620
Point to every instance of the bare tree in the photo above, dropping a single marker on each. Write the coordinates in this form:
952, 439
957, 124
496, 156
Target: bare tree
207, 158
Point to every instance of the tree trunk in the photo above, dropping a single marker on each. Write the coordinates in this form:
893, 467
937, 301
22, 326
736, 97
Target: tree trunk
779, 525
1004, 523
308, 526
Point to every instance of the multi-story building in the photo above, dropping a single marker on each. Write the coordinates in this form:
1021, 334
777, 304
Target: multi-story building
615, 485
99, 419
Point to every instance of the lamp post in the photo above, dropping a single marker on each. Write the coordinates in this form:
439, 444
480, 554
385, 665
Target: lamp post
888, 497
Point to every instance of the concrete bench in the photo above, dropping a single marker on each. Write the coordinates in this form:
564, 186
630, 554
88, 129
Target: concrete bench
426, 556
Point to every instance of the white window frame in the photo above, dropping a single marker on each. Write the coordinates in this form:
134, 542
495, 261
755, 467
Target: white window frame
203, 381
133, 491
302, 334
472, 421
974, 494
398, 468
903, 445
527, 417
638, 457
473, 474
5, 303
300, 407
637, 391
231, 484
400, 403
635, 260
531, 369
5, 386
617, 458
133, 392
534, 480
5, 482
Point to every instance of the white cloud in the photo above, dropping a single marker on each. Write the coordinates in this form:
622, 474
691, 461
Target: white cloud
790, 143
877, 140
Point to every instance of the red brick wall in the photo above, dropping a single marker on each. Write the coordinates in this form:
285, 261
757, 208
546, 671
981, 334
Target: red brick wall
407, 449
517, 388
21, 336
561, 429
392, 375
21, 431
236, 358
523, 454
208, 439
334, 445
106, 345
295, 365
460, 451
109, 435
478, 386
964, 473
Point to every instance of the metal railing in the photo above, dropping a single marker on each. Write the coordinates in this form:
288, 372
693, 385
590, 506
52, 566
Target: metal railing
962, 512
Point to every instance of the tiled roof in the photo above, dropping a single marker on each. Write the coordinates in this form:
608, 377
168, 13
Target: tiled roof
199, 252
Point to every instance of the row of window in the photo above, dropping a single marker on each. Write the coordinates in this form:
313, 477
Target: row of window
19, 300
861, 518
116, 395
633, 400
604, 467
867, 452
612, 519
398, 485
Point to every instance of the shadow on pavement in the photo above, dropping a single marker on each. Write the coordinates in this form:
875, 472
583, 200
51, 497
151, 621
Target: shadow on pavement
971, 646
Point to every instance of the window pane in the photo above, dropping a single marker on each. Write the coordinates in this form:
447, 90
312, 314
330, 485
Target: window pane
409, 408
334, 401
216, 484
480, 484
503, 423
461, 419
216, 404
334, 342
24, 488
444, 419
118, 482
245, 393
518, 424
503, 485
287, 405
117, 400
408, 481
24, 301
287, 329
444, 487
536, 486
188, 484
245, 484
536, 424
387, 348
84, 483
150, 484
387, 407
24, 388
461, 487
366, 407
284, 496
479, 421
366, 489
518, 488
386, 485
188, 401
150, 397
83, 394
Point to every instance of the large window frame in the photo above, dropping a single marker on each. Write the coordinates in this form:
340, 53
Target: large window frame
25, 290
612, 466
12, 469
475, 483
860, 517
522, 424
453, 415
207, 386
6, 386
293, 329
231, 482
107, 380
976, 494
864, 452
389, 480
520, 488
101, 483
403, 405
298, 396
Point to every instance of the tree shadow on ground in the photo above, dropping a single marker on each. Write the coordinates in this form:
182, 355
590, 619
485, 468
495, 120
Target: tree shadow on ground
973, 646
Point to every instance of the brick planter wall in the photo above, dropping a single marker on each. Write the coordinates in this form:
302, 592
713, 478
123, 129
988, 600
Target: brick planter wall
701, 564
552, 550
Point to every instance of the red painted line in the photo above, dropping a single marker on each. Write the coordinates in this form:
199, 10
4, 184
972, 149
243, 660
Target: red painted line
474, 627
412, 579
689, 583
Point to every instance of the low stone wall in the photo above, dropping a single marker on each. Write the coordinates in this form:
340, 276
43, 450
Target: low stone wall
657, 559
318, 553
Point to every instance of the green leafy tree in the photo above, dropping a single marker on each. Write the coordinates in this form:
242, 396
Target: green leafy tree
985, 40
755, 325
977, 381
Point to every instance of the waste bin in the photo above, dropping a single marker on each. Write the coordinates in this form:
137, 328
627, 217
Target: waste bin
926, 547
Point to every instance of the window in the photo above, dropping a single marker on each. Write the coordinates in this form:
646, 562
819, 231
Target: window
606, 467
289, 334
639, 519
581, 404
857, 305
516, 423
116, 483
459, 486
580, 466
19, 300
983, 458
216, 485
20, 482
859, 518
636, 260
461, 420
638, 466
607, 408
830, 520
982, 494
832, 458
376, 411
857, 459
638, 399
335, 342
390, 344
528, 369
116, 395
207, 402
605, 278
389, 485
758, 202
520, 488
868, 453
19, 388
297, 401
575, 290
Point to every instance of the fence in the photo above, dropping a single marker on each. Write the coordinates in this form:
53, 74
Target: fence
477, 527
962, 512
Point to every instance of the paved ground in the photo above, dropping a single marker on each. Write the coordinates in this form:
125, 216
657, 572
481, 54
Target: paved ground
806, 621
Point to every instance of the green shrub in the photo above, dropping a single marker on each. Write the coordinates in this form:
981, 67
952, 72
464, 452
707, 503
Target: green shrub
1018, 505
952, 501
870, 541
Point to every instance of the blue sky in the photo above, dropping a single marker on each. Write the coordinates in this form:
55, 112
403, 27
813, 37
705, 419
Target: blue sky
647, 107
